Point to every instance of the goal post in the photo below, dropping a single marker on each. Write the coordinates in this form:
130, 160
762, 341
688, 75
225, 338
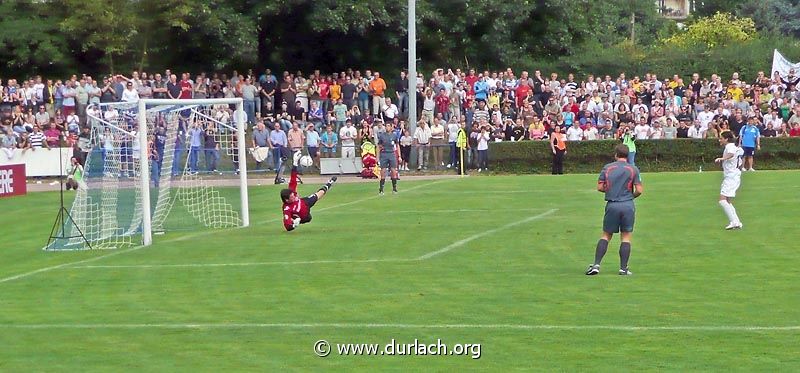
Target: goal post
143, 174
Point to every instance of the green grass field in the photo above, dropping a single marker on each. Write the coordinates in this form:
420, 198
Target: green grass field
496, 261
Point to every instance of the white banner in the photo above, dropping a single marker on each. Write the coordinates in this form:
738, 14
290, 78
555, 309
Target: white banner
39, 162
782, 65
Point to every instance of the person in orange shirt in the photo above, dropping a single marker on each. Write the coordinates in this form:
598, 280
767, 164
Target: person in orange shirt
559, 147
377, 87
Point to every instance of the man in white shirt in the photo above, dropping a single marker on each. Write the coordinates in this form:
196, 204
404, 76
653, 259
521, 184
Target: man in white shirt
422, 139
705, 117
731, 160
390, 111
130, 94
574, 133
347, 135
696, 131
642, 130
452, 137
590, 133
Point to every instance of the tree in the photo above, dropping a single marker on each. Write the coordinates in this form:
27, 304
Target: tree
718, 30
107, 26
31, 40
774, 16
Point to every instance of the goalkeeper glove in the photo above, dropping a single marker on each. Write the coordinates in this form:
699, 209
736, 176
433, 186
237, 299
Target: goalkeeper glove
295, 222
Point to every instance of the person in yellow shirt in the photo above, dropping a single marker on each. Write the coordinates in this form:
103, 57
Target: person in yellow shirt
735, 92
336, 91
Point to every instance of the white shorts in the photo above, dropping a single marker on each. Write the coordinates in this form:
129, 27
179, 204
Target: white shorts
730, 184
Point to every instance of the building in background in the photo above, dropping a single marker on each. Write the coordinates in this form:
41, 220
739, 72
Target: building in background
674, 9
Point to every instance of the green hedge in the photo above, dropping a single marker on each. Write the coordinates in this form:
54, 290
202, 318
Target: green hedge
651, 156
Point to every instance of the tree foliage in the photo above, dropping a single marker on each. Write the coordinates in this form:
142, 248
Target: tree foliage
718, 30
65, 36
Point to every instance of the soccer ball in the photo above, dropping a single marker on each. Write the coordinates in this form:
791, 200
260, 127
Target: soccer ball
306, 161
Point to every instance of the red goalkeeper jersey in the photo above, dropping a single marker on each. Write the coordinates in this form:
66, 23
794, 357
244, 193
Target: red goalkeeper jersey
297, 209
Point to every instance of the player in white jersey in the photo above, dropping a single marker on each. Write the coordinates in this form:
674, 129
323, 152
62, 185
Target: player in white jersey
731, 161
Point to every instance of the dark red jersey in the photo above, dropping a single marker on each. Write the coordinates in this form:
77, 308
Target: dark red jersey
297, 209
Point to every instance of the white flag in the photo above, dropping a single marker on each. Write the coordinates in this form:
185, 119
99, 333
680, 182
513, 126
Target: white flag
782, 65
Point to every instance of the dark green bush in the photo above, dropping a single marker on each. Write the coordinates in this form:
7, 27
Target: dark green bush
651, 156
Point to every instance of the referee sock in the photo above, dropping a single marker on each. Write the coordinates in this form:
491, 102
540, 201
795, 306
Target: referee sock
394, 185
383, 181
600, 251
624, 254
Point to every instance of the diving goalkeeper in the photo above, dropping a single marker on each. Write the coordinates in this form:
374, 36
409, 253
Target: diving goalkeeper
297, 210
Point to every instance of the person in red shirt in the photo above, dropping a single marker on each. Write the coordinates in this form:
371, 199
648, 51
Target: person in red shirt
522, 92
471, 79
297, 210
443, 104
795, 131
186, 87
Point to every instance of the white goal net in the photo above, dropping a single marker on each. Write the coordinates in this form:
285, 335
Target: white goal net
158, 166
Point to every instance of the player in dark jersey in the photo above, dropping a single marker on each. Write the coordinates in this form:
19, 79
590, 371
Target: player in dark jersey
388, 157
297, 210
621, 183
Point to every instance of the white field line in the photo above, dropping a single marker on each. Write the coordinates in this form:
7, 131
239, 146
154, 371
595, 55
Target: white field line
474, 237
244, 264
198, 234
654, 328
427, 256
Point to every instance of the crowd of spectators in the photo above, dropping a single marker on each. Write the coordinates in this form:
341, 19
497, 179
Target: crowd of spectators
349, 106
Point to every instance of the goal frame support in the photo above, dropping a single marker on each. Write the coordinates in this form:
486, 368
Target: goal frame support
144, 160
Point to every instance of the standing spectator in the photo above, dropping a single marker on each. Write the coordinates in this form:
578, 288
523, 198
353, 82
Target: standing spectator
452, 139
401, 91
329, 141
267, 93
749, 141
642, 130
196, 135
315, 114
348, 135
377, 87
37, 139
590, 133
211, 148
69, 94
288, 91
159, 87
73, 122
340, 113
389, 112
794, 132
483, 147
428, 106
296, 137
422, 138
559, 148
607, 132
186, 87
312, 144
249, 92
405, 149
130, 94
278, 141
362, 93
438, 142
260, 143
443, 104
82, 98
58, 96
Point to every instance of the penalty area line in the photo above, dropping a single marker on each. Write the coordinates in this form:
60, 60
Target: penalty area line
653, 328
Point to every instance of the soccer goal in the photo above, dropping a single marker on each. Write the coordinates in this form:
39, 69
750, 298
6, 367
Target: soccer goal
159, 166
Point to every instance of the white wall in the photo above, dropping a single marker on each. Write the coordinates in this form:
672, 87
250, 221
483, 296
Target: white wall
39, 162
